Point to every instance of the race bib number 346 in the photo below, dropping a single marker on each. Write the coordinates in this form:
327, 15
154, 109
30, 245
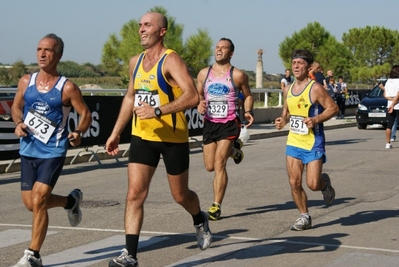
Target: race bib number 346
297, 126
39, 126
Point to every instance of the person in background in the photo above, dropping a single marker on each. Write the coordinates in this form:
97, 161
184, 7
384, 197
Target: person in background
391, 93
40, 110
306, 106
342, 90
160, 90
332, 88
286, 80
381, 85
316, 75
219, 87
329, 75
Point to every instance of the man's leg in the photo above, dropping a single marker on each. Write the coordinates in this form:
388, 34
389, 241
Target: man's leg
313, 174
220, 179
295, 169
190, 202
139, 178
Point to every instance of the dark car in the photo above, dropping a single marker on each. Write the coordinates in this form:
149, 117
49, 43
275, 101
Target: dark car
372, 109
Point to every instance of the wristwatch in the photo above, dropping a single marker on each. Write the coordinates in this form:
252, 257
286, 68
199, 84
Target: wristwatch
158, 112
79, 133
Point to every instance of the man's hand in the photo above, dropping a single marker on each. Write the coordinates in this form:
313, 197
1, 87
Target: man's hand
144, 111
309, 122
202, 107
280, 123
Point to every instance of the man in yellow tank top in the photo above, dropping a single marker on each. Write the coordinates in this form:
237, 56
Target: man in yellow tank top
306, 106
160, 90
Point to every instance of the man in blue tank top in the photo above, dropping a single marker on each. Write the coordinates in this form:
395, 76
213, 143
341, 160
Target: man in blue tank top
40, 110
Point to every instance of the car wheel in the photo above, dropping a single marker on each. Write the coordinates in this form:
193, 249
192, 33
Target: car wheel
362, 125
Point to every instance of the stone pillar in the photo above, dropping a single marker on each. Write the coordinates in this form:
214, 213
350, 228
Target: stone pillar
259, 70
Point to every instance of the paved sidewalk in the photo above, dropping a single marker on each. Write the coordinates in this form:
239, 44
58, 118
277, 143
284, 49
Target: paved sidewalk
96, 153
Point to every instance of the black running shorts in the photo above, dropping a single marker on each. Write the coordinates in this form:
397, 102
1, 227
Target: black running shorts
213, 132
175, 155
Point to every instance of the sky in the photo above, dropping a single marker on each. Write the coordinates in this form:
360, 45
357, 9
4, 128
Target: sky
85, 25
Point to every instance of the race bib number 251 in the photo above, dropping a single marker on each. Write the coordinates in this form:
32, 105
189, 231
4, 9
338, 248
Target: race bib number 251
297, 126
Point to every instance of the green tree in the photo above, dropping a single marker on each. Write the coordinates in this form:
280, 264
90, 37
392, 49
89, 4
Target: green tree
326, 49
73, 69
117, 52
197, 52
374, 50
11, 76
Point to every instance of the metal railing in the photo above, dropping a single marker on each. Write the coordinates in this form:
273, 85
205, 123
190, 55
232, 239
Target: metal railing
262, 92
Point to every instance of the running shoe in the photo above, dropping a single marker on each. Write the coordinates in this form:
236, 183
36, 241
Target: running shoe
75, 214
28, 260
214, 212
239, 155
302, 223
388, 146
204, 235
328, 192
123, 260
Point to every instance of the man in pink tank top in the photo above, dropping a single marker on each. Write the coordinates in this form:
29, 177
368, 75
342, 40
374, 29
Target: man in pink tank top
219, 87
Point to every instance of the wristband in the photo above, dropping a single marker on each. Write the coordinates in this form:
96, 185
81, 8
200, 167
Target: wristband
250, 112
18, 123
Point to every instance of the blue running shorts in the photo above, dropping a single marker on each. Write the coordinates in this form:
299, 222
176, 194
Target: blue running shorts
305, 156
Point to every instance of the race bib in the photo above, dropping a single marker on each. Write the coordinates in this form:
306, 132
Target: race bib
218, 109
297, 126
39, 126
149, 97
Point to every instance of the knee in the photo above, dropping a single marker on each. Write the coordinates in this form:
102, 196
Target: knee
181, 197
314, 184
28, 205
209, 167
295, 183
134, 196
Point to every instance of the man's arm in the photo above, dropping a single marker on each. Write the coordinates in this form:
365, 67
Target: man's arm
281, 121
73, 95
176, 72
319, 95
243, 83
18, 107
126, 109
200, 89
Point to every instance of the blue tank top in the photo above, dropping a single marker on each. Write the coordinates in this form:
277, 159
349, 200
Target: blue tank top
46, 116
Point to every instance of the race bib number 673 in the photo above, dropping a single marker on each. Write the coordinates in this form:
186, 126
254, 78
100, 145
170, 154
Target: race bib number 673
39, 126
297, 126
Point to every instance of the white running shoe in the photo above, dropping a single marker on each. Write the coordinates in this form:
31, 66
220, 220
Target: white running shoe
302, 223
204, 235
28, 260
123, 260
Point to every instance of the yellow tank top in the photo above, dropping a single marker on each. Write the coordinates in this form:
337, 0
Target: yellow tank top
153, 88
300, 106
